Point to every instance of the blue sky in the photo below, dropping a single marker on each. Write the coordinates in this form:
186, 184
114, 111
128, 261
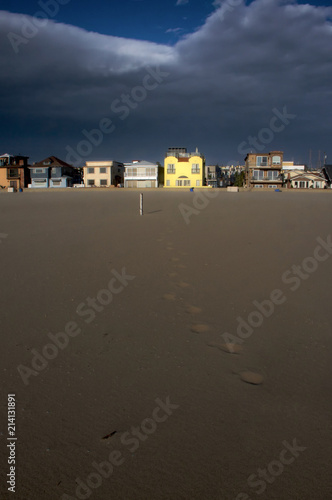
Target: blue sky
141, 19
226, 69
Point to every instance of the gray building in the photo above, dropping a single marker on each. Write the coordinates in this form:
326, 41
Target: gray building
51, 173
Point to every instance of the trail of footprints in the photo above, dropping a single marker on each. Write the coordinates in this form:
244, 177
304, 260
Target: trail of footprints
247, 376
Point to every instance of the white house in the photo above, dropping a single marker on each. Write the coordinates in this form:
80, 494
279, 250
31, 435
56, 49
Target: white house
289, 165
142, 174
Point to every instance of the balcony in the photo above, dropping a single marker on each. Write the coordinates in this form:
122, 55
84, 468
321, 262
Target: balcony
171, 171
265, 179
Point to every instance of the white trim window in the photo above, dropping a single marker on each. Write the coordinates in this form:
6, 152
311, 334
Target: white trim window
91, 170
102, 170
195, 168
261, 161
170, 168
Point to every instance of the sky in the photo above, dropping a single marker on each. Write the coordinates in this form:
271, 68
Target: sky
127, 80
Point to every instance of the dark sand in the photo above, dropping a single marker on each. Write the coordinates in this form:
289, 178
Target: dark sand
61, 248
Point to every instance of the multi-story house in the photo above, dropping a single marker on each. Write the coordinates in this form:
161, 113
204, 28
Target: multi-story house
213, 175
143, 174
52, 173
183, 169
103, 173
14, 171
264, 170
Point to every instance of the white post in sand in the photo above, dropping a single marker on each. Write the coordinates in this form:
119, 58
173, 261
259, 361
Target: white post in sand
141, 204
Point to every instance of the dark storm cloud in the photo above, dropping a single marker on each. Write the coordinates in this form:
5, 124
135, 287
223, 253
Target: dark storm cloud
223, 83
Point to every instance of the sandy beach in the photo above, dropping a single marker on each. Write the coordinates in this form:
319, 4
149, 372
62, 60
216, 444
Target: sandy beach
139, 398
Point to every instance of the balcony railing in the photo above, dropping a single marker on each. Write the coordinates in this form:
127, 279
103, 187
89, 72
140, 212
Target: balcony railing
171, 171
265, 179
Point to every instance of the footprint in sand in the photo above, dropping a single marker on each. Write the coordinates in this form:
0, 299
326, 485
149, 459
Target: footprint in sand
199, 328
169, 296
172, 275
228, 347
251, 378
175, 259
193, 310
182, 284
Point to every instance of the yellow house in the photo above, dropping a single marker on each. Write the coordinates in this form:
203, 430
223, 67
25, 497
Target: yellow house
183, 169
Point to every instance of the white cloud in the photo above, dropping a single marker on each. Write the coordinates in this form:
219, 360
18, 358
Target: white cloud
181, 2
174, 30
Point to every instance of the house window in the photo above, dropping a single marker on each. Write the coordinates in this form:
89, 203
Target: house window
261, 161
195, 168
258, 175
170, 168
198, 183
103, 182
102, 170
132, 172
276, 160
47, 162
258, 185
186, 182
272, 186
40, 181
91, 170
56, 183
13, 172
150, 171
168, 182
272, 174
91, 182
39, 170
178, 183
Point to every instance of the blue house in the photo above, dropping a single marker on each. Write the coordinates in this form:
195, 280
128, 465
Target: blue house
52, 173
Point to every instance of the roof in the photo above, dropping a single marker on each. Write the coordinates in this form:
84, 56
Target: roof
54, 162
307, 177
140, 163
327, 171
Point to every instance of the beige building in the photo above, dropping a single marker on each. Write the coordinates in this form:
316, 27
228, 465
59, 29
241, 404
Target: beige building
264, 170
103, 173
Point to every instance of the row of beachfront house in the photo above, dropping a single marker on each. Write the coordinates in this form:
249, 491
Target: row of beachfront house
181, 169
